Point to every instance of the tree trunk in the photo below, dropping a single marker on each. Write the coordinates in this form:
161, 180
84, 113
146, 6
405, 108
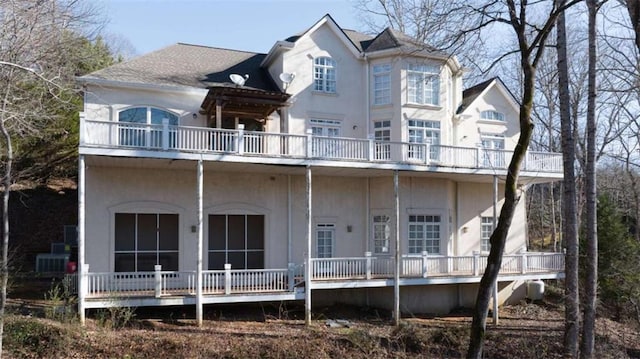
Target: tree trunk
4, 266
499, 236
569, 209
591, 253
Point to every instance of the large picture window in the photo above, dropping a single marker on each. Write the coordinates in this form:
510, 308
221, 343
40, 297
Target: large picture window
236, 239
423, 84
142, 127
143, 240
324, 74
424, 234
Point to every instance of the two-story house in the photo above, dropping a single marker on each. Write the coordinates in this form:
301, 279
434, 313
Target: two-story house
337, 167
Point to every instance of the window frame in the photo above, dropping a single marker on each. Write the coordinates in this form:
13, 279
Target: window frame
384, 228
424, 130
150, 132
136, 251
228, 250
416, 227
381, 84
486, 229
423, 84
325, 75
330, 228
492, 115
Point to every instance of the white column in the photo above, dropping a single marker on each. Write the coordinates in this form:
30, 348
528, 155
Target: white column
289, 197
396, 282
307, 268
199, 247
495, 223
82, 268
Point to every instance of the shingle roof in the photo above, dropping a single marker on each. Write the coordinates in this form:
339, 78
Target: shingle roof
469, 95
390, 38
190, 65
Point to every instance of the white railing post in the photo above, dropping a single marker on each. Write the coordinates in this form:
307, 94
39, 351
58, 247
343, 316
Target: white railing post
476, 263
165, 133
82, 129
157, 276
427, 153
372, 148
478, 156
292, 272
525, 162
227, 278
367, 256
425, 255
309, 143
240, 149
85, 288
523, 270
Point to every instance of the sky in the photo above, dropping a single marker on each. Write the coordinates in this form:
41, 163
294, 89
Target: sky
251, 25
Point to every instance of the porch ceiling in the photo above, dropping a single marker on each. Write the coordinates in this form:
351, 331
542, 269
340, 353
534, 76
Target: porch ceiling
281, 169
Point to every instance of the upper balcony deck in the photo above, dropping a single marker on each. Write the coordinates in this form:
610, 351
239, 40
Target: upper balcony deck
181, 142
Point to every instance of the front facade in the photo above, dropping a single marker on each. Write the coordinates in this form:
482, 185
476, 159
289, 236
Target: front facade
336, 167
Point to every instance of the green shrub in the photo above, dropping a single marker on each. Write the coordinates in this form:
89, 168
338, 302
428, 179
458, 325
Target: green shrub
32, 338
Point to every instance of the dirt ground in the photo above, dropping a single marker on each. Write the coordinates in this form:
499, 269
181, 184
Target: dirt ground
277, 330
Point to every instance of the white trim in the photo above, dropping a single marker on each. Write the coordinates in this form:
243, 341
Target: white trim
143, 86
336, 30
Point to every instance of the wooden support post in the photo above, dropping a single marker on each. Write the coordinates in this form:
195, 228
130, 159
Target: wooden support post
396, 282
82, 266
495, 223
227, 278
200, 229
307, 267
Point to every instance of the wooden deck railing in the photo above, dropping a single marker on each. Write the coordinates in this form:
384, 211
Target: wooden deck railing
164, 137
161, 283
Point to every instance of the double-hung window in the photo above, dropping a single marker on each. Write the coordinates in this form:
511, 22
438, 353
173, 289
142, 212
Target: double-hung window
494, 154
382, 135
382, 84
420, 133
424, 234
325, 238
381, 234
324, 75
423, 84
486, 229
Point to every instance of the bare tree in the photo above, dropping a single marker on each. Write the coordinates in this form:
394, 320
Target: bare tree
633, 7
34, 40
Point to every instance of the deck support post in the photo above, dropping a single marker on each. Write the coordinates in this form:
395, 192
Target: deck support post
227, 278
307, 267
495, 223
396, 282
82, 267
199, 196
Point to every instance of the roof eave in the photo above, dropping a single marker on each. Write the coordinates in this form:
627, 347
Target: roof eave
275, 50
142, 86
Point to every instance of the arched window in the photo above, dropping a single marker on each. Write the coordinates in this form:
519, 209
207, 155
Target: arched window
148, 115
324, 74
492, 115
143, 127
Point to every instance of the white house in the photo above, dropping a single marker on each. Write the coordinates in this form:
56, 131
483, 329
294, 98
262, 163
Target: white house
338, 167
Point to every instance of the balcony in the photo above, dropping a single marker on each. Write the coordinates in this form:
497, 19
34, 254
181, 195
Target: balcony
262, 147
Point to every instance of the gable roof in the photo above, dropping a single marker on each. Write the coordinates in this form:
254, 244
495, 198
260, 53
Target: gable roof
394, 39
472, 93
184, 65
